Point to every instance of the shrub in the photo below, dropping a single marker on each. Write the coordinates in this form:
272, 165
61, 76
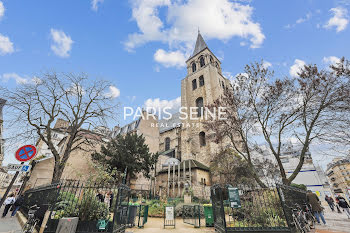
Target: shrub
89, 208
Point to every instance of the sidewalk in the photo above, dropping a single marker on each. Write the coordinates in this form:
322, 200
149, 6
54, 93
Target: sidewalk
155, 225
336, 222
8, 224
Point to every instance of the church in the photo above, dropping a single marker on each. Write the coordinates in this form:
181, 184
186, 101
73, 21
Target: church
186, 148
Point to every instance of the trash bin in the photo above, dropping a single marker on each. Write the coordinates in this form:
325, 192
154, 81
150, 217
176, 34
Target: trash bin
132, 214
208, 213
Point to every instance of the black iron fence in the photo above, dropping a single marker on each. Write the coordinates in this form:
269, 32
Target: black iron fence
246, 209
191, 214
100, 207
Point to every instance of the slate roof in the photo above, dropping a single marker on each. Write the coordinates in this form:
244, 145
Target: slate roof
200, 45
194, 165
172, 123
127, 128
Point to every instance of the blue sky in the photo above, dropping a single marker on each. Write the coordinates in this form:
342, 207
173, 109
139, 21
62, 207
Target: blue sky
141, 45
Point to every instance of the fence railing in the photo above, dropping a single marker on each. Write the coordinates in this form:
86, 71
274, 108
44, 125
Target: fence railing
254, 209
93, 203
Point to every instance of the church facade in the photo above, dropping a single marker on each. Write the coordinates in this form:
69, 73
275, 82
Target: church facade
186, 148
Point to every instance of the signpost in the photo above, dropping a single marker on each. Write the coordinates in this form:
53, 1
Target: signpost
23, 154
169, 216
233, 196
19, 167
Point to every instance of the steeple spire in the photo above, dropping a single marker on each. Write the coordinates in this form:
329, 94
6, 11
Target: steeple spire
200, 44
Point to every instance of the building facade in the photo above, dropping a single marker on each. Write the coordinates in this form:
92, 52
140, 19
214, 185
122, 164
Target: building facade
310, 175
338, 172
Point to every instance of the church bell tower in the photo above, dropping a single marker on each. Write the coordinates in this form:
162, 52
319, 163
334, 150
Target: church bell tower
203, 84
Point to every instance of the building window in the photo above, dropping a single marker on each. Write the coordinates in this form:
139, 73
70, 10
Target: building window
194, 67
201, 61
211, 59
223, 85
199, 105
167, 143
201, 81
202, 139
194, 84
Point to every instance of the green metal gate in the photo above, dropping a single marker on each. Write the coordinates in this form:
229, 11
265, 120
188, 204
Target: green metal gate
191, 214
142, 216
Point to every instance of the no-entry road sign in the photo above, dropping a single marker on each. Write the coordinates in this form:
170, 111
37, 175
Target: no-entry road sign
25, 153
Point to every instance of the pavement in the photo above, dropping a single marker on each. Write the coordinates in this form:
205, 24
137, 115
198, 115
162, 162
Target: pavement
335, 222
8, 224
155, 225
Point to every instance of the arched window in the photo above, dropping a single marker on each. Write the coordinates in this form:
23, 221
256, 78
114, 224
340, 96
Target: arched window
167, 143
194, 67
199, 105
194, 84
223, 85
201, 81
216, 64
202, 139
211, 59
201, 61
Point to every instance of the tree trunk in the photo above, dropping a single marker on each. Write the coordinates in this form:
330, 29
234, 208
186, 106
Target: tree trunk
57, 172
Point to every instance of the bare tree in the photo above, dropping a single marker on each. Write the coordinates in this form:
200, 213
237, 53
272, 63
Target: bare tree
77, 100
263, 108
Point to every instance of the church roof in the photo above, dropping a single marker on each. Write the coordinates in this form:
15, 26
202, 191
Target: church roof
172, 123
200, 45
194, 165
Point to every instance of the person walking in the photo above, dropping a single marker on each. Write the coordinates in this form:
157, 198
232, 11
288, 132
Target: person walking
18, 203
315, 205
330, 202
8, 203
344, 204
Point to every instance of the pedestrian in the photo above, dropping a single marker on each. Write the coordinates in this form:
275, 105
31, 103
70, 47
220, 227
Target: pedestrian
315, 205
100, 197
344, 204
8, 203
18, 203
330, 202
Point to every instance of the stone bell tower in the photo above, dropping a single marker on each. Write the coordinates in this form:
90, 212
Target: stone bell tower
203, 84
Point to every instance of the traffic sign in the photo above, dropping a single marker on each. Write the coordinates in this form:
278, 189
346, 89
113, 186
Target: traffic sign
19, 167
25, 153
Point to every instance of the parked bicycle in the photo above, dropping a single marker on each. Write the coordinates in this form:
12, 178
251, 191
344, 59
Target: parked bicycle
32, 221
299, 219
310, 217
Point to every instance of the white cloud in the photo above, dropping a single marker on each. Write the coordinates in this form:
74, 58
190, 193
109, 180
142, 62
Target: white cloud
169, 59
339, 20
6, 46
304, 19
114, 92
300, 20
297, 67
159, 104
20, 79
62, 43
2, 10
331, 60
267, 64
221, 19
95, 3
